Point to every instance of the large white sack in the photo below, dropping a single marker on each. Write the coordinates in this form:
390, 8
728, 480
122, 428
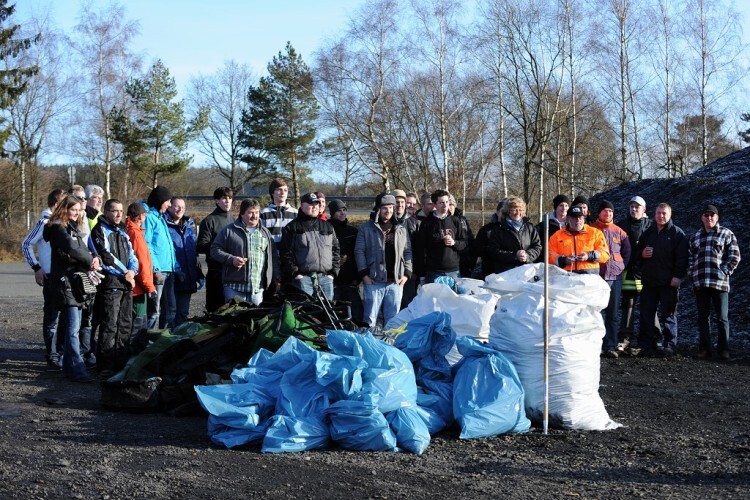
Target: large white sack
470, 314
576, 332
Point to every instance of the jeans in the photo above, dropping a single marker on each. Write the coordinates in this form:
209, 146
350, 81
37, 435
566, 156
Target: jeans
182, 309
53, 343
69, 324
307, 285
168, 303
611, 316
154, 306
665, 300
255, 298
705, 298
387, 295
89, 326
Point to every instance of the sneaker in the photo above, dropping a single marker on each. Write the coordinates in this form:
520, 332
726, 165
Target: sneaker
611, 354
724, 355
634, 351
54, 365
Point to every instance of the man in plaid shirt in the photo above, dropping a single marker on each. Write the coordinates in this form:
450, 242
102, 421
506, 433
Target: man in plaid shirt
714, 255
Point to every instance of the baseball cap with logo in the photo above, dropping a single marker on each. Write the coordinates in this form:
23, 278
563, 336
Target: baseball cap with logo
310, 198
575, 212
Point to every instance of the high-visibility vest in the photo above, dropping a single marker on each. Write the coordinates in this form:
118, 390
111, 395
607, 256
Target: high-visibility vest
630, 284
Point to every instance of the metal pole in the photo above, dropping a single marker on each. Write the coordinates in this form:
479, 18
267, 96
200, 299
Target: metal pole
545, 418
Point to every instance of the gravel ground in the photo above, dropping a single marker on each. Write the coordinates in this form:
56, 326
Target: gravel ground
685, 435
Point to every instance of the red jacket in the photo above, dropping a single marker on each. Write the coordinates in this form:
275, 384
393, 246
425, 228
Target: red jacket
144, 280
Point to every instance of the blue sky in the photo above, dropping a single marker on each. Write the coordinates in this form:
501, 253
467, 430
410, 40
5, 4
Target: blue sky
195, 36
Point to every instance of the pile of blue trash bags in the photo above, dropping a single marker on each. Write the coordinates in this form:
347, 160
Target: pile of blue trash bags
366, 394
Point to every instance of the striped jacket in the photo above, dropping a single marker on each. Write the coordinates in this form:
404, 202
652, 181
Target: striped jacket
276, 218
35, 239
714, 256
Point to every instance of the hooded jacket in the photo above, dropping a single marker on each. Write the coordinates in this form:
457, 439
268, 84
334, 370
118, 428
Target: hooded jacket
156, 234
144, 278
35, 238
308, 245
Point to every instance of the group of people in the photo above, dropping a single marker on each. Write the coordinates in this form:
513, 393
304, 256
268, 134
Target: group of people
143, 262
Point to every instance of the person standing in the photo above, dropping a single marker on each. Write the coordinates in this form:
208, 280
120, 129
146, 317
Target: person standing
482, 240
322, 199
611, 272
714, 255
309, 250
214, 222
662, 257
411, 204
144, 278
52, 342
115, 292
346, 284
411, 223
634, 224
439, 242
278, 213
399, 211
156, 234
578, 247
94, 197
245, 251
560, 206
187, 277
513, 241
69, 254
383, 255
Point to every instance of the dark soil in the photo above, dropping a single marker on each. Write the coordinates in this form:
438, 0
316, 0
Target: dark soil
685, 435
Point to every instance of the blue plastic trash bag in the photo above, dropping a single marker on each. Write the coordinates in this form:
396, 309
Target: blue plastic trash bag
291, 434
412, 433
231, 437
358, 425
447, 281
436, 411
488, 398
389, 373
307, 389
430, 334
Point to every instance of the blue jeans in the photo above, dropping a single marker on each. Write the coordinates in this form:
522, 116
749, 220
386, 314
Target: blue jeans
255, 298
53, 343
705, 298
69, 324
387, 295
307, 285
611, 316
665, 300
182, 307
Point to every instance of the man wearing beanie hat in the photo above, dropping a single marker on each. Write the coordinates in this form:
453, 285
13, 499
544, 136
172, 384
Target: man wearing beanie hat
346, 284
611, 272
156, 234
578, 247
309, 250
714, 255
560, 206
383, 255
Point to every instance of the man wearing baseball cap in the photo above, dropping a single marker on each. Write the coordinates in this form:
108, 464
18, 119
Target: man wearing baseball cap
346, 284
309, 250
634, 224
714, 255
383, 254
578, 247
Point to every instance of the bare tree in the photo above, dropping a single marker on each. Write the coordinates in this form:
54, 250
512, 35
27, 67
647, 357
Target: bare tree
102, 40
222, 97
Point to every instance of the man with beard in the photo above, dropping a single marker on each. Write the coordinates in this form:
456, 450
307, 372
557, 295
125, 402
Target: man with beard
309, 250
209, 228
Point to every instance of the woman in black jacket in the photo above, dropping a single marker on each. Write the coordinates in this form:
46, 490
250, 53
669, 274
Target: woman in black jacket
69, 255
513, 241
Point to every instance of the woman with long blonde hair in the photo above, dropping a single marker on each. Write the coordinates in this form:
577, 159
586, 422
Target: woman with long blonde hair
70, 254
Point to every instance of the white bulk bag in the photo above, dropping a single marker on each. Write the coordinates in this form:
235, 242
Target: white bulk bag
575, 340
470, 314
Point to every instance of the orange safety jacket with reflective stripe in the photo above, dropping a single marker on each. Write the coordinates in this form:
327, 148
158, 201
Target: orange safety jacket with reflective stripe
564, 244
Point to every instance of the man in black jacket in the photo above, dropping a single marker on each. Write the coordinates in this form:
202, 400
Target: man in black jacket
346, 284
662, 258
439, 242
209, 228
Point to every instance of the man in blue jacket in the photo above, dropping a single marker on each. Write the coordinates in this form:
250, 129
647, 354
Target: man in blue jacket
187, 277
662, 258
156, 234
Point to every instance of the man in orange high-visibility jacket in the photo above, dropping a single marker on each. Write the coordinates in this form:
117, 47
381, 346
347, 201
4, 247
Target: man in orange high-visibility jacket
578, 247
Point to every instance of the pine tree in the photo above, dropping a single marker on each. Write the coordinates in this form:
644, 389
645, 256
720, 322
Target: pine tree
278, 128
13, 80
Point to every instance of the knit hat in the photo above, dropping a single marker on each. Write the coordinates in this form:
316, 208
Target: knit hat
336, 205
560, 198
580, 199
158, 196
605, 204
398, 193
